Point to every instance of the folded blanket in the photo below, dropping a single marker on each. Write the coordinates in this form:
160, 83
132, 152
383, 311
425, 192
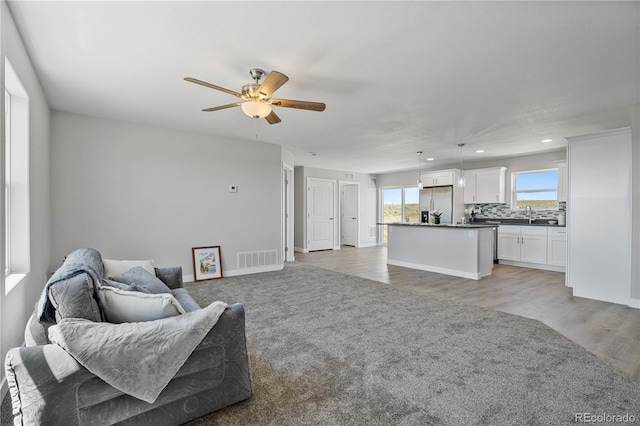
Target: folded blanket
140, 358
81, 261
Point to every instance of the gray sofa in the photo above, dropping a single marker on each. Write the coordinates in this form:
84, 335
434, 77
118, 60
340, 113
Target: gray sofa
48, 386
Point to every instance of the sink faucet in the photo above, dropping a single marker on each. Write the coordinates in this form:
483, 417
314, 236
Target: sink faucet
528, 213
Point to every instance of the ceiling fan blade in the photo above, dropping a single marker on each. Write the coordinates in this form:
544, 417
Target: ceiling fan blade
212, 86
218, 108
273, 82
288, 103
273, 118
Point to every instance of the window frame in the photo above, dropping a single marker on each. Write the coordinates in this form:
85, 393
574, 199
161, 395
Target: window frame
402, 188
16, 209
7, 183
515, 192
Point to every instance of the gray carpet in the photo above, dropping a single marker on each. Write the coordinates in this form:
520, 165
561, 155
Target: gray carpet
329, 348
333, 349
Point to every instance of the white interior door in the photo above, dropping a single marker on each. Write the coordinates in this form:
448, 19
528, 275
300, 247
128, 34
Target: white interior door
320, 212
287, 236
349, 217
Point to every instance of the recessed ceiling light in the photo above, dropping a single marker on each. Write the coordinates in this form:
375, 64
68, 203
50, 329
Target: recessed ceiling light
430, 159
480, 151
546, 140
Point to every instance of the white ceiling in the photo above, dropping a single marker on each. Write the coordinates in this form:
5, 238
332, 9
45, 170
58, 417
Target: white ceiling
397, 77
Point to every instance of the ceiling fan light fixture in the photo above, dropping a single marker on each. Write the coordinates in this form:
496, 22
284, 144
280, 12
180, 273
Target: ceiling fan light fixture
256, 109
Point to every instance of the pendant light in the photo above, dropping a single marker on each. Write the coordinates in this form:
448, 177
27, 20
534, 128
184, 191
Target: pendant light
419, 170
461, 179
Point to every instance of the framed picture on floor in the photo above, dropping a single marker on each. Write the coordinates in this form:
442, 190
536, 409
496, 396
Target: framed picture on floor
207, 264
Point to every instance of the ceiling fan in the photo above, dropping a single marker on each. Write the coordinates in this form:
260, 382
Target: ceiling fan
256, 96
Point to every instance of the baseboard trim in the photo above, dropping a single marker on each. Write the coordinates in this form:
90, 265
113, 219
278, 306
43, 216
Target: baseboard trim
253, 270
632, 303
243, 271
544, 267
300, 250
446, 271
368, 245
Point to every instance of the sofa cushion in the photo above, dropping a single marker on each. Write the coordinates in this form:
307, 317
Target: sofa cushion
132, 306
74, 298
36, 333
185, 299
117, 267
142, 280
171, 276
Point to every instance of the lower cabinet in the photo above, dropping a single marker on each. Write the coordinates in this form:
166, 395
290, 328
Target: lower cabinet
534, 246
523, 244
557, 246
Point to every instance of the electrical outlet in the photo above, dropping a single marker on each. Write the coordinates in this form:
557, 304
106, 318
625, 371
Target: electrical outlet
494, 210
233, 188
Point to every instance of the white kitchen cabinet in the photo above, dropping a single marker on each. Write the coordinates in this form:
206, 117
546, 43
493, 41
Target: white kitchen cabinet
509, 243
470, 186
563, 179
485, 185
557, 246
522, 243
439, 178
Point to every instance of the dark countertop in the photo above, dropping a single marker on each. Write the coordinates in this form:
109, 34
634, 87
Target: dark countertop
483, 223
519, 222
441, 225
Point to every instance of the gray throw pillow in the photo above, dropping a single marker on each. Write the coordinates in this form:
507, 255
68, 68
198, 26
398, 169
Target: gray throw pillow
143, 281
116, 284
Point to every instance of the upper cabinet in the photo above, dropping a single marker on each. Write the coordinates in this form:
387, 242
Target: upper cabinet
439, 178
563, 178
470, 186
485, 185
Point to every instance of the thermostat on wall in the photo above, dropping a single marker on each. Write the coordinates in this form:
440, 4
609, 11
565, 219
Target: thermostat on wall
233, 188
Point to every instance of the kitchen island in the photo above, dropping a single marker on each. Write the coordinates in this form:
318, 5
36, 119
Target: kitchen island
459, 250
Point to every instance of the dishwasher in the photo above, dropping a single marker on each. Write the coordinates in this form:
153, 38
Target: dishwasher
495, 239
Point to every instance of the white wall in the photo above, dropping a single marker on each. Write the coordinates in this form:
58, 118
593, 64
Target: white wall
599, 262
16, 306
368, 204
635, 205
139, 192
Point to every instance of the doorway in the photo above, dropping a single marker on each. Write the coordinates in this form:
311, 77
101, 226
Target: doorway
349, 213
320, 214
287, 214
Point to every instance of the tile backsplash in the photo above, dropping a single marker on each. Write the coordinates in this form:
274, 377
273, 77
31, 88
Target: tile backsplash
504, 212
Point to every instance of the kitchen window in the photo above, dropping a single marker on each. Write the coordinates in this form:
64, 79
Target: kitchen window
535, 188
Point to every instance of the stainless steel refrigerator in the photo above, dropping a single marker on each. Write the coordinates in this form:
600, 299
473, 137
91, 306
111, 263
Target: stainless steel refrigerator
438, 197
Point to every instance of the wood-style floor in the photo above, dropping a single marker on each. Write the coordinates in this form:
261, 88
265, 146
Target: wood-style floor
609, 331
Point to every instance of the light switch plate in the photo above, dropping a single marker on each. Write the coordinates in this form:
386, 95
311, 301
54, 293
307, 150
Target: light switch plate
233, 188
